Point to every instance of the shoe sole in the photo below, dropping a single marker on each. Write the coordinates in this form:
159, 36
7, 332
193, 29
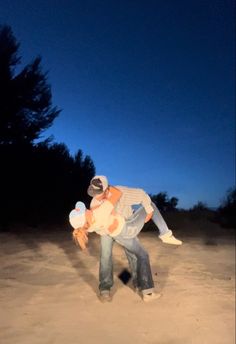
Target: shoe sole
172, 243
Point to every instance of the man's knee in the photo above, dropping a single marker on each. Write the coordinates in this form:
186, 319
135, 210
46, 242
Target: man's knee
142, 254
106, 246
105, 257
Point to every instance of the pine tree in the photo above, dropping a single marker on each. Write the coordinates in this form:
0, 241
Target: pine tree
25, 98
39, 181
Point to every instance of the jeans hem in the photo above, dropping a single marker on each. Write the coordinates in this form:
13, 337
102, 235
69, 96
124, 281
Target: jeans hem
147, 291
104, 291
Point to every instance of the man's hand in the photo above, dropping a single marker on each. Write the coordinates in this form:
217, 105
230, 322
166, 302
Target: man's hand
80, 237
148, 217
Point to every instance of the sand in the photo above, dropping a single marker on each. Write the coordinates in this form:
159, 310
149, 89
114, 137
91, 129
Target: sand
49, 292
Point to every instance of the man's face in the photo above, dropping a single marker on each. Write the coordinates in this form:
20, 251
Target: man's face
102, 195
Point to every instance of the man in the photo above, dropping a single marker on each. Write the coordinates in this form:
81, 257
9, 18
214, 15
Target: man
104, 220
98, 189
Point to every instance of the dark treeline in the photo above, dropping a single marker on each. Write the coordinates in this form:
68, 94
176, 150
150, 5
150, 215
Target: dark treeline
164, 203
39, 181
226, 213
42, 182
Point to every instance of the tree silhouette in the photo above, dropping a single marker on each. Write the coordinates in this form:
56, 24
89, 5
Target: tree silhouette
25, 98
39, 181
226, 213
83, 171
200, 206
163, 202
61, 181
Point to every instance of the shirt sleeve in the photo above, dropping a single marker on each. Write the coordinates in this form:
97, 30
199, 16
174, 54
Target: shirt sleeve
133, 196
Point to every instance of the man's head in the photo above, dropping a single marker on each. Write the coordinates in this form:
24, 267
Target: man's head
98, 185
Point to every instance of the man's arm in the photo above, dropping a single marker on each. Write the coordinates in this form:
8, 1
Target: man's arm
112, 194
132, 196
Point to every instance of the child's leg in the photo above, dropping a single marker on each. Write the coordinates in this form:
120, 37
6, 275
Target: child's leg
159, 221
134, 224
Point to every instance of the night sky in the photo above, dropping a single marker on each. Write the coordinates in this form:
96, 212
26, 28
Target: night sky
146, 88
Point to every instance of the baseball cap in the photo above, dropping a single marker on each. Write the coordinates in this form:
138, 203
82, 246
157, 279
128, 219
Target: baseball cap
77, 216
97, 186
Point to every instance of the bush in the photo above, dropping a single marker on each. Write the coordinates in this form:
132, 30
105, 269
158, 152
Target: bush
226, 213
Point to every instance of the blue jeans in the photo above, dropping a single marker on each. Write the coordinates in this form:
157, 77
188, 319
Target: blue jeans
135, 223
144, 279
106, 264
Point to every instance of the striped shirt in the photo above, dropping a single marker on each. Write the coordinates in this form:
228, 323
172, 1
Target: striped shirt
130, 197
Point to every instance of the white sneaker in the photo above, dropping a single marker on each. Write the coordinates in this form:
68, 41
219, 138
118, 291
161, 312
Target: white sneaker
151, 297
168, 238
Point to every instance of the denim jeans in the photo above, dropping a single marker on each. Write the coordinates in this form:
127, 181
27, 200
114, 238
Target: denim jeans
135, 224
106, 264
144, 274
159, 221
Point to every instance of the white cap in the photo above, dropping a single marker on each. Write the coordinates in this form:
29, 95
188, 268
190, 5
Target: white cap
77, 216
97, 185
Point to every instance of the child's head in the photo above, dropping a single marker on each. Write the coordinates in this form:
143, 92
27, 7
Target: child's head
77, 216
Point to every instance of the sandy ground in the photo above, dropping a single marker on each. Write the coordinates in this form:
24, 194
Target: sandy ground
49, 292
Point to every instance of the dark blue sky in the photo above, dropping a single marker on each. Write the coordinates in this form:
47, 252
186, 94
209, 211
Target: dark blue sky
146, 88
